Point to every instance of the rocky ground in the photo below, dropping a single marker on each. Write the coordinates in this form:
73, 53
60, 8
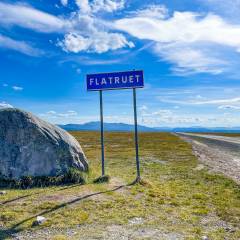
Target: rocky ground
220, 154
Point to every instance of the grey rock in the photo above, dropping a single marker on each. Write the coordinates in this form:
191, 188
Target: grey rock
30, 146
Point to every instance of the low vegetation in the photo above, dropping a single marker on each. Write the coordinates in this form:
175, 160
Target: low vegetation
174, 196
73, 176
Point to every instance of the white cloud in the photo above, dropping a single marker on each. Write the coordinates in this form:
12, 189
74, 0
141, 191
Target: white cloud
219, 101
194, 28
84, 30
54, 114
107, 5
229, 107
166, 117
191, 41
90, 33
89, 36
190, 59
64, 2
152, 11
28, 17
19, 46
16, 88
83, 6
51, 112
5, 105
95, 6
74, 43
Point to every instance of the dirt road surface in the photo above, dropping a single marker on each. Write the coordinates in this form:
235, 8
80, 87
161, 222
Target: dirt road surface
221, 154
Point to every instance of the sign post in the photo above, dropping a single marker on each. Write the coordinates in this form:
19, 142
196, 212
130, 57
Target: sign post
136, 133
102, 132
116, 81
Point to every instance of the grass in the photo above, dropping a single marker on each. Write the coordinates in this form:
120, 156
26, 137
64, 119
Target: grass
172, 196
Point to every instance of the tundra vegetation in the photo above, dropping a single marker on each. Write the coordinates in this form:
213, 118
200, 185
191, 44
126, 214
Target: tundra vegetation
175, 195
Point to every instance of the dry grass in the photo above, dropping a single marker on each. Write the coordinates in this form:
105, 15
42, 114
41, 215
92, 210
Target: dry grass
172, 195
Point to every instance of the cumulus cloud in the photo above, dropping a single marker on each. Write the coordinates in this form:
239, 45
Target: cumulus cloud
83, 6
74, 43
192, 42
107, 5
83, 30
90, 34
95, 6
19, 46
100, 43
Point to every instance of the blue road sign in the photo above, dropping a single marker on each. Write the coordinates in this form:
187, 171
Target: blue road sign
116, 80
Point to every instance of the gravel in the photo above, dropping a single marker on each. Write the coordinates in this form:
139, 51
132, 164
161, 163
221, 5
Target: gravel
220, 154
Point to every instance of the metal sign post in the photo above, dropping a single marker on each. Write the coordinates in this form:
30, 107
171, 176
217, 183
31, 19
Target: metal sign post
102, 132
136, 133
115, 81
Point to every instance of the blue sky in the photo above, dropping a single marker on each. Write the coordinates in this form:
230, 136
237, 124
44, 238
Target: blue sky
189, 51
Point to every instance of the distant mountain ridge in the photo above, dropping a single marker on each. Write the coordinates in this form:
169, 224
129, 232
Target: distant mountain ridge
123, 127
95, 126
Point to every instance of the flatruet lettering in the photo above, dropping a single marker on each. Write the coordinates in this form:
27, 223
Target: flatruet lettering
115, 80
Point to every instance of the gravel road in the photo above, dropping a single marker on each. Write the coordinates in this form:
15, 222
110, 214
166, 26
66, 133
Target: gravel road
219, 153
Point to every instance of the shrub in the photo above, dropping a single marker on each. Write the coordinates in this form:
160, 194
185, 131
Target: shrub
102, 179
72, 176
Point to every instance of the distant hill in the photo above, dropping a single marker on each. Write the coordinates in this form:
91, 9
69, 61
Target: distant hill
122, 127
95, 126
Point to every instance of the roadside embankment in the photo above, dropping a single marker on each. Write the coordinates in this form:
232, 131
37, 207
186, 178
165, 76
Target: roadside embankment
221, 154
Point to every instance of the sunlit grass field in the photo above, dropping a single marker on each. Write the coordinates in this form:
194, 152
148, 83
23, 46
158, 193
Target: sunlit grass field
175, 196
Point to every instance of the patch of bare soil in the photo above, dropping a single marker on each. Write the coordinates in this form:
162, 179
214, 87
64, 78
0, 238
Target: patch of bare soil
70, 193
217, 158
113, 232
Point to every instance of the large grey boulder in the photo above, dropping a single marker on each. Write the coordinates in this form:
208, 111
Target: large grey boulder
30, 146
